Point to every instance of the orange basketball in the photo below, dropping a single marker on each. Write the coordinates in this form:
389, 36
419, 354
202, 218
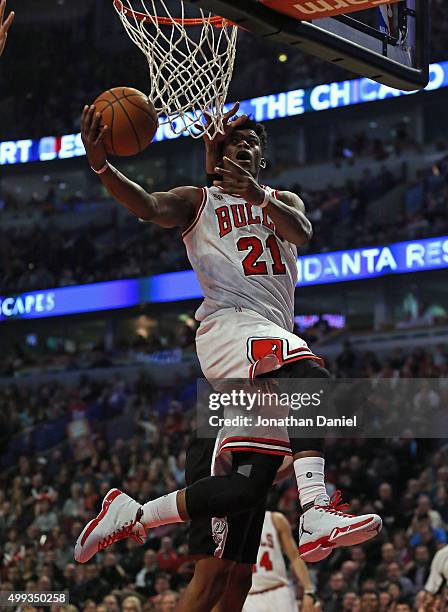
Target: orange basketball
131, 117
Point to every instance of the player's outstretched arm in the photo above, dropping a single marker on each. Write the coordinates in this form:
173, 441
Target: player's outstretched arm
4, 25
299, 568
167, 209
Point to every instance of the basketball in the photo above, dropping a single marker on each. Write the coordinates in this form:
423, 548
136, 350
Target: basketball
131, 117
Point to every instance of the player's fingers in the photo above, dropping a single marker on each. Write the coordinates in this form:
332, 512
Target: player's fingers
231, 112
101, 134
208, 117
96, 122
8, 22
86, 119
83, 118
233, 165
238, 121
2, 10
89, 118
219, 170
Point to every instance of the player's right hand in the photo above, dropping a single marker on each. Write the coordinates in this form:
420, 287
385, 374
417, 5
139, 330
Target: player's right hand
213, 145
228, 126
92, 134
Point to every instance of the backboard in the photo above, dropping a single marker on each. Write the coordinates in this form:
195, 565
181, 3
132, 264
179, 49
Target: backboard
389, 43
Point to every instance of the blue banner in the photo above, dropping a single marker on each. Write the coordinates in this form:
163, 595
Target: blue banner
265, 108
320, 269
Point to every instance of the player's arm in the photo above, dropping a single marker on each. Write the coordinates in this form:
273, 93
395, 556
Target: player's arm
290, 549
434, 582
285, 209
167, 209
4, 25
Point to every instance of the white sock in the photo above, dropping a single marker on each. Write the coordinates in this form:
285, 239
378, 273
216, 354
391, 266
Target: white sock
310, 475
161, 511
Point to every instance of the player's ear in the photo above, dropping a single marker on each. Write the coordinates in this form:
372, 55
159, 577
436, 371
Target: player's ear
262, 163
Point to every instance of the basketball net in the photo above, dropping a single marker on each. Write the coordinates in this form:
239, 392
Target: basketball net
190, 62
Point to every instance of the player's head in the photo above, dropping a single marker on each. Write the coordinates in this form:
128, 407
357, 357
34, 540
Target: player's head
246, 145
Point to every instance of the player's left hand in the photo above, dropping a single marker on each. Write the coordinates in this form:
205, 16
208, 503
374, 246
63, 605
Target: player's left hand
4, 25
238, 181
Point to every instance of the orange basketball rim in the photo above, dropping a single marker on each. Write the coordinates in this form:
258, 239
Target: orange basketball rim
318, 9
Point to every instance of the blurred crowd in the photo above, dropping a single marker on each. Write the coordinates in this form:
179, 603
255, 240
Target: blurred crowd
111, 249
64, 446
168, 340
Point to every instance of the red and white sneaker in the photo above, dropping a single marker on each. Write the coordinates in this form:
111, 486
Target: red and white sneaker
118, 519
325, 526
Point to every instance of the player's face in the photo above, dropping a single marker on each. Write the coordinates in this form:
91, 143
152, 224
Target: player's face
244, 148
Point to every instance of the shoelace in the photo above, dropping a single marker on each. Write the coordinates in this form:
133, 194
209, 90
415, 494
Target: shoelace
335, 506
118, 534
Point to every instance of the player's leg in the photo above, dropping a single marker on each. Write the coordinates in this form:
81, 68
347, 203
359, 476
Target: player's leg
235, 539
207, 586
323, 524
215, 496
244, 537
238, 586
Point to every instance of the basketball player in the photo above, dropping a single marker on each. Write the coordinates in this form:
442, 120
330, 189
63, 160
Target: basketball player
436, 583
4, 25
270, 587
241, 239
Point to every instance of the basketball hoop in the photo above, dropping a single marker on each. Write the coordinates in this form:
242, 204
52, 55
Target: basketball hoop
190, 62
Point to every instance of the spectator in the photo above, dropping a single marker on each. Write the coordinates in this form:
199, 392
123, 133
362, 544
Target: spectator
168, 602
111, 603
46, 518
167, 558
418, 569
394, 576
423, 533
161, 586
74, 505
334, 594
131, 604
145, 579
112, 572
424, 508
370, 601
350, 602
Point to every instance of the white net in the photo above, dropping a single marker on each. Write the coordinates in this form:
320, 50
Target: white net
190, 61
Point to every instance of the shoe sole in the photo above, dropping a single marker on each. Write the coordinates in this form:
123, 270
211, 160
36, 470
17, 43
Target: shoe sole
91, 525
351, 535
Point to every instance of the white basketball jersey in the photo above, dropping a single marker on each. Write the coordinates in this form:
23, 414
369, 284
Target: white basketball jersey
270, 570
240, 260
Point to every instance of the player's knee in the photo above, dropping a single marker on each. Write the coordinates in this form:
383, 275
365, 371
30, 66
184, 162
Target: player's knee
243, 493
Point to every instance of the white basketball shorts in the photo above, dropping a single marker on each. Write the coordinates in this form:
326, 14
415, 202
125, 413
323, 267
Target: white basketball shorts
230, 344
278, 599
